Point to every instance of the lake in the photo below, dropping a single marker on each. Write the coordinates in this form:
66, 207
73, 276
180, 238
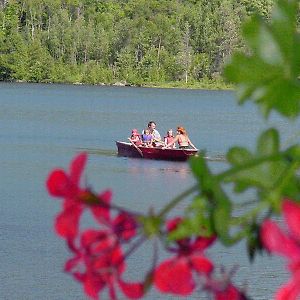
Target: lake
44, 126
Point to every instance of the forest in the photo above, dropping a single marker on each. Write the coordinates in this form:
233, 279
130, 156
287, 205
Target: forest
126, 42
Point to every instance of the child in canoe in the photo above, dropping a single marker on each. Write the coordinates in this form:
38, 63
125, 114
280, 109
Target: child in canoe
135, 137
147, 138
169, 139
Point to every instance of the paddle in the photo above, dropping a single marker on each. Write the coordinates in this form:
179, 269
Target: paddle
136, 147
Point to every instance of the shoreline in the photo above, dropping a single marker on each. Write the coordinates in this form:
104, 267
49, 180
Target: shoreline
218, 84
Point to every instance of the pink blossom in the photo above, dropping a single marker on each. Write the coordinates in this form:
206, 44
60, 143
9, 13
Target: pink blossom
175, 275
230, 292
98, 263
287, 244
123, 226
66, 185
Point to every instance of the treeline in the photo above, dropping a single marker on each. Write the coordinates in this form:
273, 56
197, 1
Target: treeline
134, 41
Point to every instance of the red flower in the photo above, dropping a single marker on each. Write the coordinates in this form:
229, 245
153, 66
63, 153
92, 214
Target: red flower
123, 226
99, 263
64, 185
61, 184
175, 275
231, 292
286, 244
67, 186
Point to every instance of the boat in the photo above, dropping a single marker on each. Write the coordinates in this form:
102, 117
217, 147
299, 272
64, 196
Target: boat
130, 150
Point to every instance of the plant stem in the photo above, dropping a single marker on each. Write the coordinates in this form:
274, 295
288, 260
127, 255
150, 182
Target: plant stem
250, 215
178, 199
248, 165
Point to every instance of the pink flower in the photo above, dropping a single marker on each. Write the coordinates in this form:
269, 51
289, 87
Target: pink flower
123, 226
286, 244
175, 275
61, 184
66, 185
230, 292
99, 263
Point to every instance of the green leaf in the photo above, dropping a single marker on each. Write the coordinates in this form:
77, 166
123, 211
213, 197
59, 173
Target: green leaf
260, 169
268, 142
219, 206
196, 221
221, 219
238, 155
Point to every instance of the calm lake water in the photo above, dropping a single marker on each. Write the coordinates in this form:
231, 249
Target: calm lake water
44, 126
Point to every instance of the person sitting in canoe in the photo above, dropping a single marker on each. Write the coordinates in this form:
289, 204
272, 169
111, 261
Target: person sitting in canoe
182, 139
169, 139
135, 137
156, 138
147, 138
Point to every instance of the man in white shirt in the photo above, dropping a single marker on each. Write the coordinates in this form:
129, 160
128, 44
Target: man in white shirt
156, 136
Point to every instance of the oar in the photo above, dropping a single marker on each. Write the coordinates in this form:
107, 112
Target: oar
136, 147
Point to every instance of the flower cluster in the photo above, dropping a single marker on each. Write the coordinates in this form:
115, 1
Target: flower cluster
98, 257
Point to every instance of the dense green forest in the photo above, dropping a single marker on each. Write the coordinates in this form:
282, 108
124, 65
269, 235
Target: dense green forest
137, 42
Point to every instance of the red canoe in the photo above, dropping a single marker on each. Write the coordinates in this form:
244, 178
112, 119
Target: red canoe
127, 149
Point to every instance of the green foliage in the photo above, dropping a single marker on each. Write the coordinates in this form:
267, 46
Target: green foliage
262, 175
261, 7
96, 74
139, 41
39, 63
220, 206
270, 171
269, 74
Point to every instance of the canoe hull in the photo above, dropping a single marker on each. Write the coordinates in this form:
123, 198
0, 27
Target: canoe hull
128, 150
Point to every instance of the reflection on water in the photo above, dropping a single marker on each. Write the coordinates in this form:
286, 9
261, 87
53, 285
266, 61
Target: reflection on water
182, 170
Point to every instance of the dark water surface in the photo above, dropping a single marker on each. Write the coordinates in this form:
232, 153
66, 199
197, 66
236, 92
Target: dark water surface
44, 126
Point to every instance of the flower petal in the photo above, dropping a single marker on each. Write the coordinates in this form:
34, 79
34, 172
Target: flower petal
291, 213
201, 264
58, 183
276, 241
98, 241
101, 212
174, 276
173, 223
125, 226
202, 243
133, 290
90, 236
290, 291
72, 263
230, 293
93, 284
67, 222
77, 167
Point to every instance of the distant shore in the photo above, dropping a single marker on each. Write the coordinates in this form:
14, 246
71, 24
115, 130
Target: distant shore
205, 84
